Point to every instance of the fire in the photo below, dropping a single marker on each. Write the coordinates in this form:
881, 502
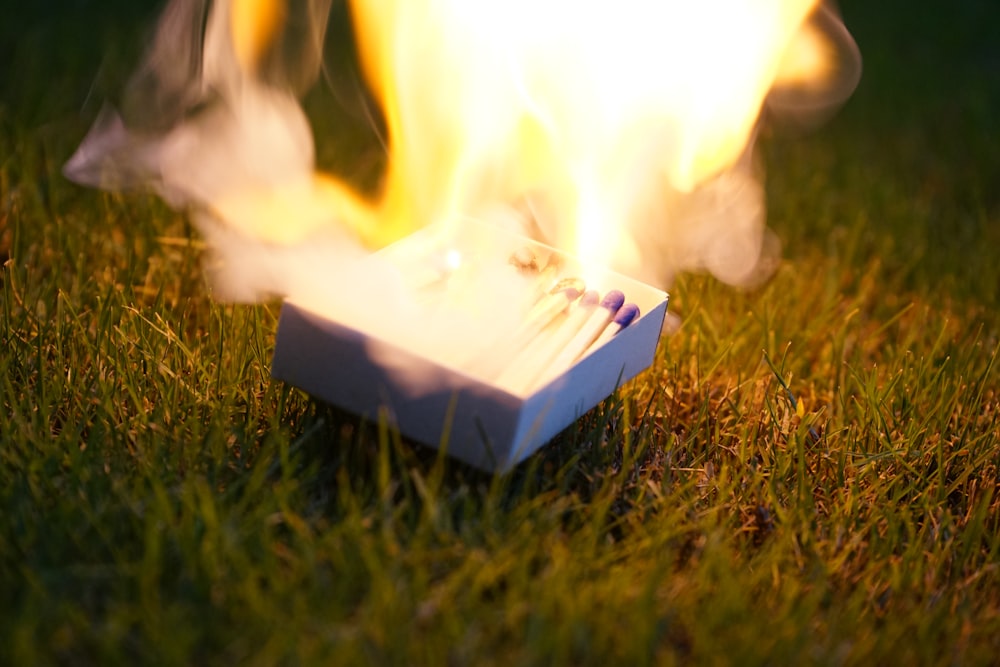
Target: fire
620, 133
596, 112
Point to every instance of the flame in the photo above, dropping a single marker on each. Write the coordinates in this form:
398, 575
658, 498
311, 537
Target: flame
621, 133
255, 25
597, 112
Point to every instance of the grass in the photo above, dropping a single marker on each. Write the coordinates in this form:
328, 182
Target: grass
808, 474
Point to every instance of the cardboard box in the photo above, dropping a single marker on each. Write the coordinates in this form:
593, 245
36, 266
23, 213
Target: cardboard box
478, 422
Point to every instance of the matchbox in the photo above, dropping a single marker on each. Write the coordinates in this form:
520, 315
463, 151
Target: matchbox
478, 421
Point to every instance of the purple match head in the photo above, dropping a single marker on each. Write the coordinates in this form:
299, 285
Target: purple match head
613, 300
590, 298
571, 294
626, 315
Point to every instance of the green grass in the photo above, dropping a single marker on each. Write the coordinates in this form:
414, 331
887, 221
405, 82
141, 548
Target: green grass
809, 472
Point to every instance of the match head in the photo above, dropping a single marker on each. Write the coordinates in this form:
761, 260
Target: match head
613, 300
590, 298
626, 315
568, 286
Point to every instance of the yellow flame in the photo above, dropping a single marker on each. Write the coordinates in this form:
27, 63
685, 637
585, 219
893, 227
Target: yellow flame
810, 58
255, 24
584, 107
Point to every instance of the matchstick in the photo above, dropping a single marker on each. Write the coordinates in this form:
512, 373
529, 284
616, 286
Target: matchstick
588, 332
624, 317
549, 307
532, 362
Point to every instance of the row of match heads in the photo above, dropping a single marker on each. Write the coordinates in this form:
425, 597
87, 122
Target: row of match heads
564, 326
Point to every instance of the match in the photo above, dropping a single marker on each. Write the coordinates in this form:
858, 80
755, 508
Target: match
534, 359
540, 316
624, 317
588, 332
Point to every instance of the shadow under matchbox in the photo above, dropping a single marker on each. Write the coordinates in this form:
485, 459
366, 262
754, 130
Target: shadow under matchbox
488, 423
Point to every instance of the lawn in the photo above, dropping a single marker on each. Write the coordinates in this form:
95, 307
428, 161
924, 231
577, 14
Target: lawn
808, 474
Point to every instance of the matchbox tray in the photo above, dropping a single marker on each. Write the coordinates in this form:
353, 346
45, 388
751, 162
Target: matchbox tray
478, 422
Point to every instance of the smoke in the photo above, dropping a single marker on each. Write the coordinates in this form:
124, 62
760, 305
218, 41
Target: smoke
226, 139
611, 142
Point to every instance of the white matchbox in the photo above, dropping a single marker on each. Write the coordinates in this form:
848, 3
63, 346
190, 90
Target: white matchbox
478, 422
